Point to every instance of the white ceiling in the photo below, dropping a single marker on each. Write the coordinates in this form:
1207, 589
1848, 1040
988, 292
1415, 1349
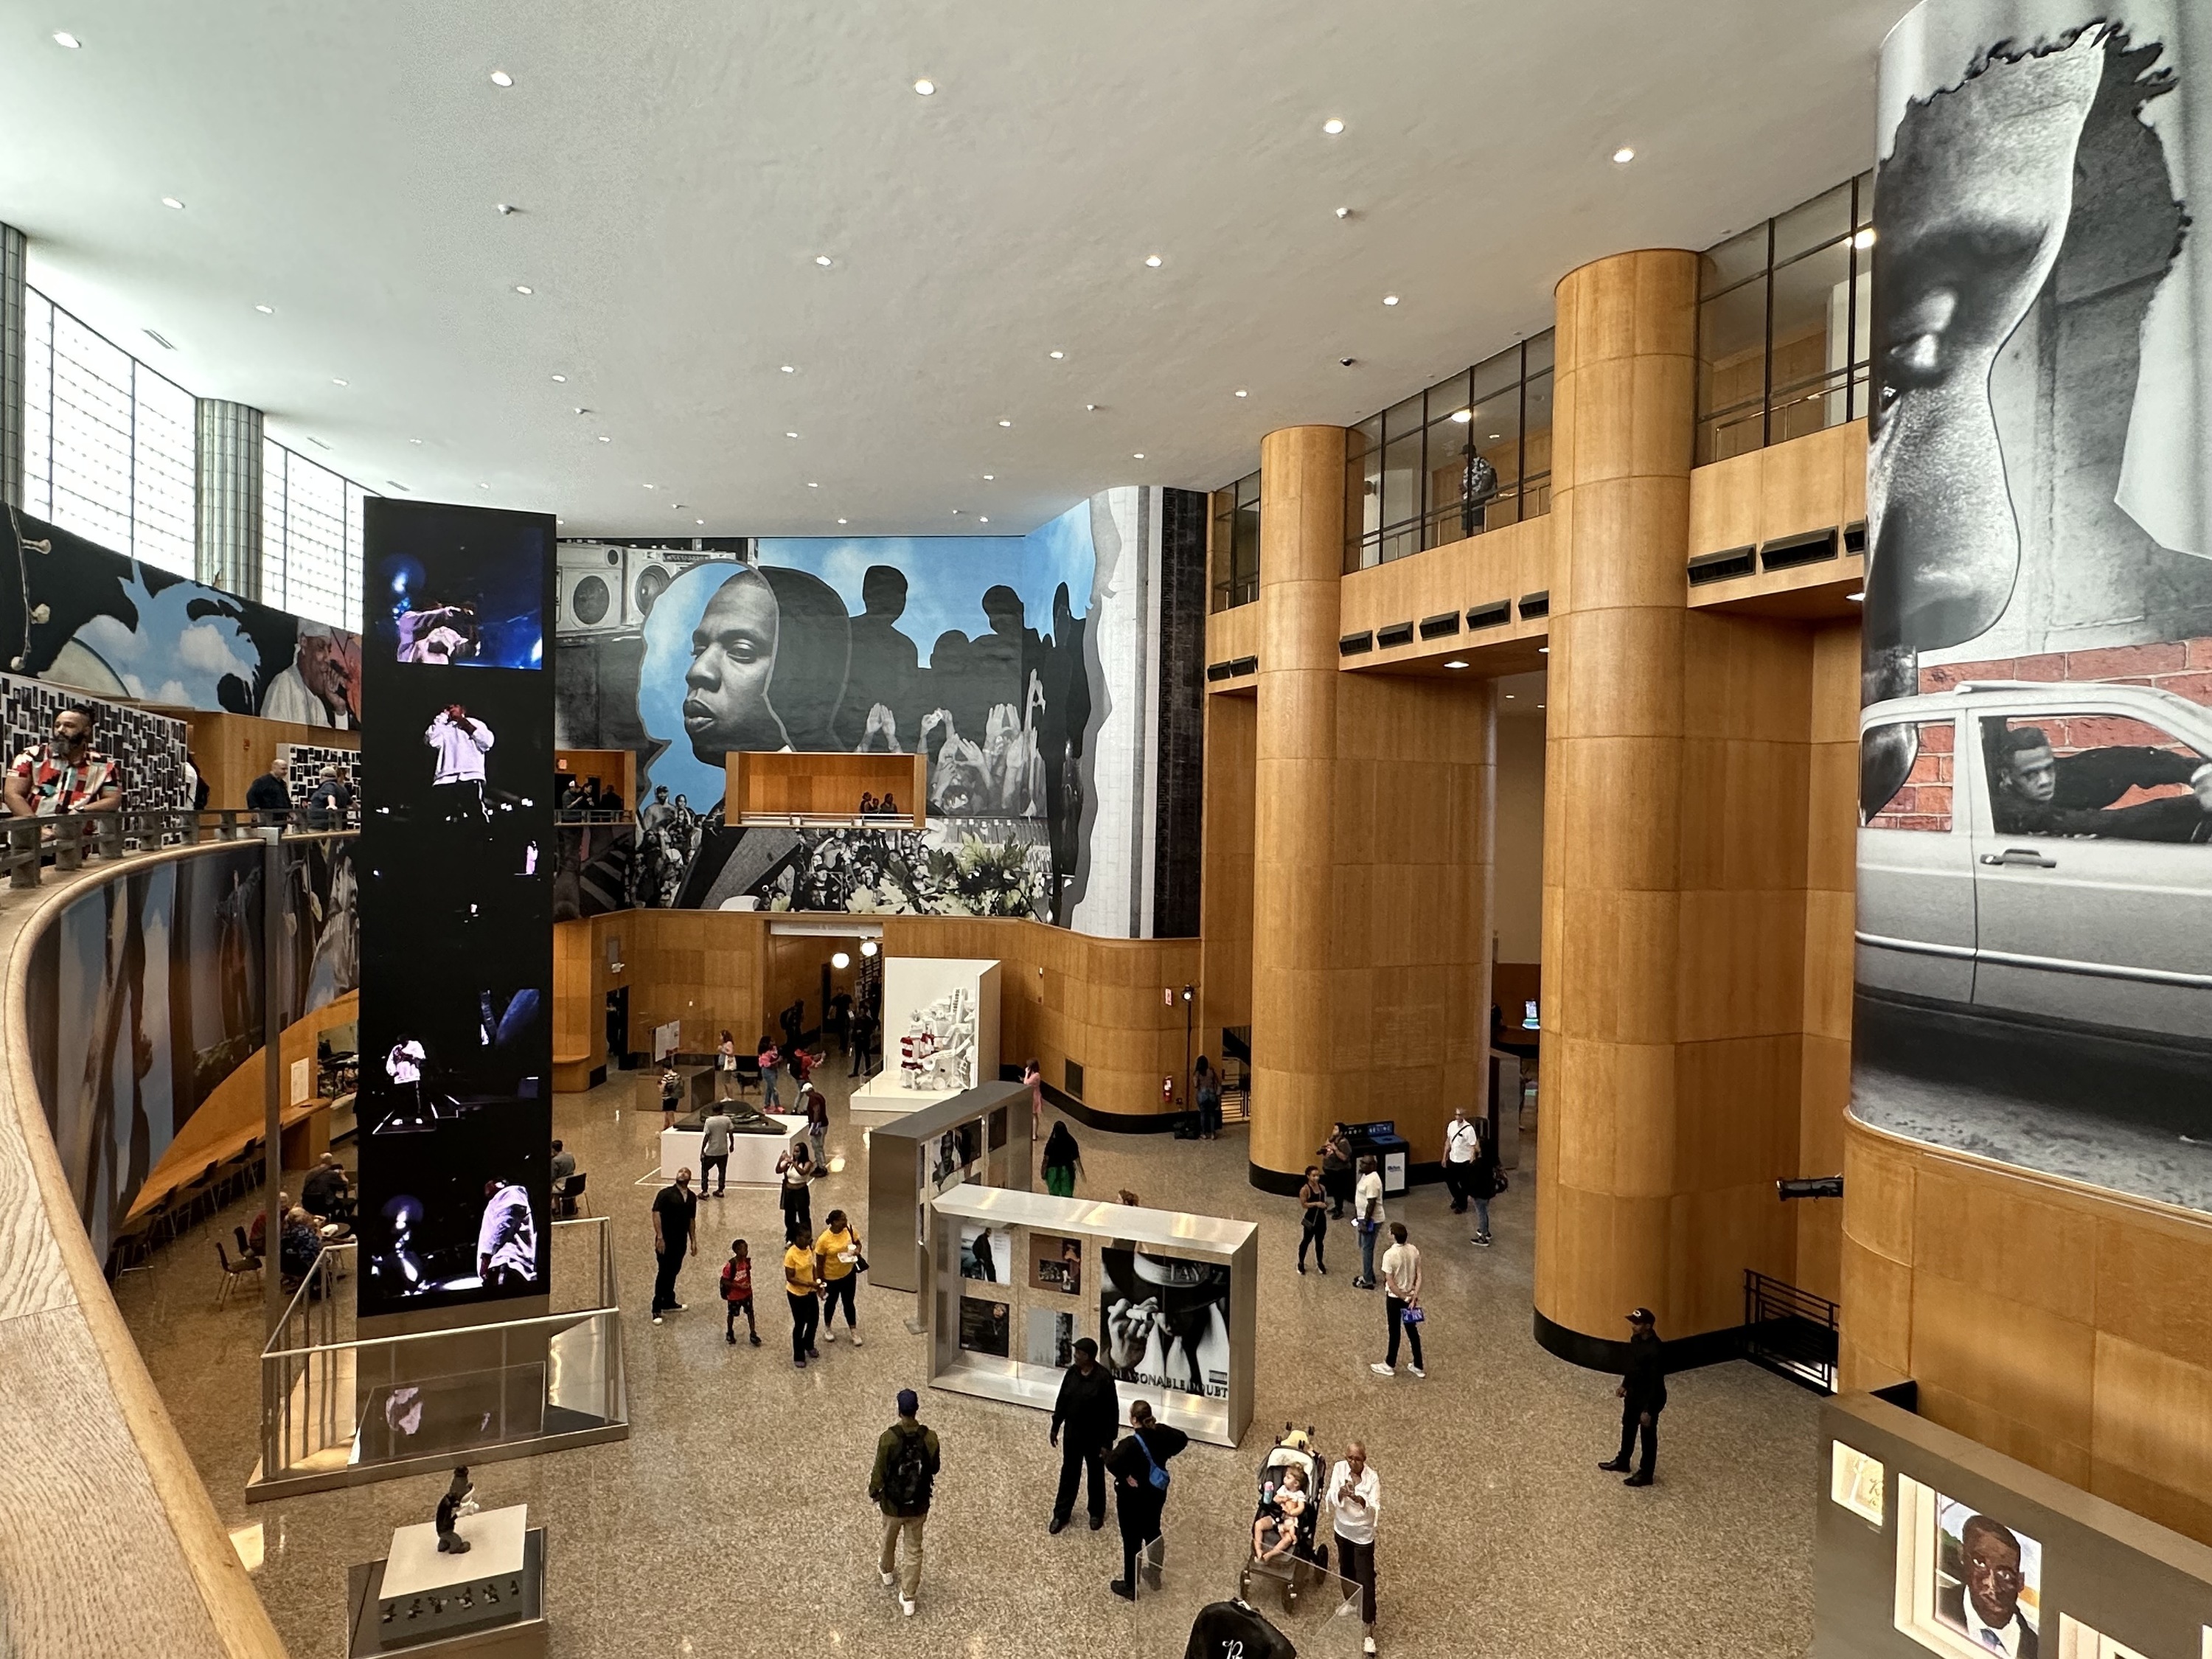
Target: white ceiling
679, 167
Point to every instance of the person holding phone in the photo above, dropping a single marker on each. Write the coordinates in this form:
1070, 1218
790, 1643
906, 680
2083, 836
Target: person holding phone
837, 1261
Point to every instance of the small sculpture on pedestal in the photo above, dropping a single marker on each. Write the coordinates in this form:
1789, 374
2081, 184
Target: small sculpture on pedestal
460, 1499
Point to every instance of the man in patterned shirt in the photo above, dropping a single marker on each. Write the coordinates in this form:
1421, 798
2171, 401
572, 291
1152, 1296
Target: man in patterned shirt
67, 774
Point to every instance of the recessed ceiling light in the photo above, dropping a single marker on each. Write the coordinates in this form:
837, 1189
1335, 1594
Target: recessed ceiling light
791, 435
1390, 299
172, 202
841, 521
1090, 408
1462, 416
985, 518
1543, 650
1539, 707
925, 87
1856, 597
336, 381
1509, 696
1005, 423
1153, 260
1140, 455
1455, 663
523, 287
698, 521
1497, 434
502, 208
1334, 125
987, 477
1623, 157
822, 260
414, 440
811, 484
791, 368
484, 486
501, 78
1864, 239
1055, 355
604, 439
648, 486
1241, 393
266, 311
563, 378
63, 38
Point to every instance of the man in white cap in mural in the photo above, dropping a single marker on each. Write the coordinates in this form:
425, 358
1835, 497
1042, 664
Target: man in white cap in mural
312, 690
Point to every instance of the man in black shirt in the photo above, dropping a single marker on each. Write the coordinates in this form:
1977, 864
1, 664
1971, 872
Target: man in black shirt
1139, 1497
672, 1234
269, 794
1229, 1630
1089, 1411
1643, 1395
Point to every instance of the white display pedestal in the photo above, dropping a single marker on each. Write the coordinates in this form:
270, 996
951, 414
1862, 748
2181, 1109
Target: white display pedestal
495, 1540
752, 1158
912, 984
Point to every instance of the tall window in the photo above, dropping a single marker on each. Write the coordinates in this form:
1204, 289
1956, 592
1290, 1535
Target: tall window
1783, 322
108, 444
1471, 453
311, 538
1235, 542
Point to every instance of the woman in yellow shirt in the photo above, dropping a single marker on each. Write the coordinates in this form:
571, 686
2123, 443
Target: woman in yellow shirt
837, 1257
804, 1291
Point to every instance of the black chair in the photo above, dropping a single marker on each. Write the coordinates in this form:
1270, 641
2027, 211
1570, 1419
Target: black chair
572, 1192
244, 1245
133, 1247
233, 1271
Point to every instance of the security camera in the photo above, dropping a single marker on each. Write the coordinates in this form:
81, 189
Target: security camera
1347, 362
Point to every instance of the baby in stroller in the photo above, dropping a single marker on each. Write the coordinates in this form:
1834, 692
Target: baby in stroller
1285, 1524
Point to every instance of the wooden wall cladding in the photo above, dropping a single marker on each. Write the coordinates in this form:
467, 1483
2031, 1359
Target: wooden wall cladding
1808, 483
1498, 564
1231, 635
231, 750
825, 784
1225, 890
2062, 1325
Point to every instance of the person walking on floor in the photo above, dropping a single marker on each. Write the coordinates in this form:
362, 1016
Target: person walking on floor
674, 1208
1461, 1141
1643, 1395
1336, 1169
1367, 1220
815, 1104
796, 1170
671, 1090
1062, 1158
770, 1058
737, 1293
902, 1484
803, 1290
1139, 1467
714, 1150
1402, 1300
1087, 1413
726, 1073
1205, 1089
1033, 1080
1355, 1494
1483, 1186
837, 1261
1313, 1220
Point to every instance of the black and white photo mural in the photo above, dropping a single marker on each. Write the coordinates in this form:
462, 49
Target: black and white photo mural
1028, 671
2034, 978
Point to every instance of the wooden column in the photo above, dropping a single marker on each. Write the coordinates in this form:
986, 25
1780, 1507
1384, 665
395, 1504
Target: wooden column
1294, 783
1609, 1229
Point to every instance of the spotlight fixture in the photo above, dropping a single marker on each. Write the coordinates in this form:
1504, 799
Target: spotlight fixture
1623, 157
501, 78
65, 38
266, 311
172, 202
1090, 408
1055, 355
1344, 213
868, 947
1334, 125
840, 962
1462, 416
823, 259
502, 208
523, 287
1864, 240
1390, 299
927, 89
1456, 663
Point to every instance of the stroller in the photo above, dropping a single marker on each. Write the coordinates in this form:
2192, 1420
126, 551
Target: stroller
1291, 1573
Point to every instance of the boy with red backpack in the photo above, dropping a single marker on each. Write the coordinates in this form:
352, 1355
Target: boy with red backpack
737, 1292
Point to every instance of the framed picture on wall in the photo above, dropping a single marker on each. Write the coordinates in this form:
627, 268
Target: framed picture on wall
1968, 1583
1855, 1480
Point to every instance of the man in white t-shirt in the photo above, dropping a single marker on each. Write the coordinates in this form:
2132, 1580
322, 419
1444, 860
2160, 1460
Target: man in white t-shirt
461, 744
1401, 1294
1367, 1217
1355, 1493
1462, 1141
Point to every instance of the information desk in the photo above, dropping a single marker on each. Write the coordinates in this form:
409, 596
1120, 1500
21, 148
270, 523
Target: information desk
488, 1601
1011, 1279
752, 1157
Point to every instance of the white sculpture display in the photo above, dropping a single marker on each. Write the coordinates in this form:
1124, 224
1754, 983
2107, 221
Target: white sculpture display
938, 1053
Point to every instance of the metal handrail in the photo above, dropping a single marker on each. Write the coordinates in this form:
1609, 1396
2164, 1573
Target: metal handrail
68, 840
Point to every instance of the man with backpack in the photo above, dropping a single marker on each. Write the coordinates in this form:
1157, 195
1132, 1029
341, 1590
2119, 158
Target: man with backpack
905, 1476
1138, 1467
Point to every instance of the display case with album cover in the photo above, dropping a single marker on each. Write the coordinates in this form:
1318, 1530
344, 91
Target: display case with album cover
1173, 1308
980, 1135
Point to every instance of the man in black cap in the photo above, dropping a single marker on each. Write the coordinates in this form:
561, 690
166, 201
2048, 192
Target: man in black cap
1643, 1395
1089, 1411
904, 1479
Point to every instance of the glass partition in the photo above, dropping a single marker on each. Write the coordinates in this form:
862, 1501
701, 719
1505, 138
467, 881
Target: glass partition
1471, 453
1784, 325
1234, 543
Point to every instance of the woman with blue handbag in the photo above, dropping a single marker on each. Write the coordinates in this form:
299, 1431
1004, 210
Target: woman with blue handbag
1402, 1300
1138, 1469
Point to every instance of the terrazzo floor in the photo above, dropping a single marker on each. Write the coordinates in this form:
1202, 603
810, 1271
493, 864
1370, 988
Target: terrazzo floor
735, 1520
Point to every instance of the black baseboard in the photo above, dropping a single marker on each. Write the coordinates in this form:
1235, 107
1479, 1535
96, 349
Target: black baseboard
1120, 1123
1598, 1353
1275, 1181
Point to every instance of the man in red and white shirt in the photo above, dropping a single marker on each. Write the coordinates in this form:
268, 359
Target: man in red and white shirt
66, 774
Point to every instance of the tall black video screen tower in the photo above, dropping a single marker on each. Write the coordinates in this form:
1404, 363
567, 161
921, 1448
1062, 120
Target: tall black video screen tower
456, 855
